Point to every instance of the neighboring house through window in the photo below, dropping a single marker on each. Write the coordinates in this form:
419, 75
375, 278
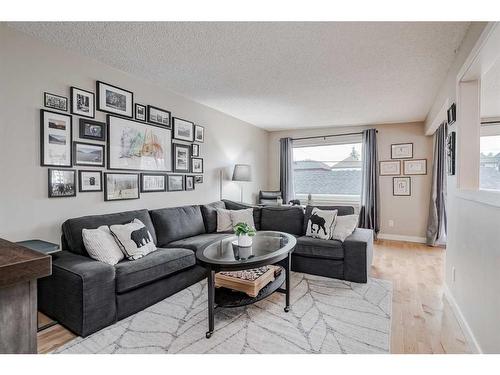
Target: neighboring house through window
489, 170
328, 171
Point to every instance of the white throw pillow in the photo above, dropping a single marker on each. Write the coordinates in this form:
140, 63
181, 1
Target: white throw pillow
321, 223
242, 216
101, 245
344, 226
134, 239
224, 222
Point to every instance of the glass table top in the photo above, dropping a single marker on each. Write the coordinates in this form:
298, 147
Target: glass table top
265, 245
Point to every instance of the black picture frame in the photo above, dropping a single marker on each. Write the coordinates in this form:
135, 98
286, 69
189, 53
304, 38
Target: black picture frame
202, 130
401, 144
159, 123
80, 184
180, 177
189, 178
394, 189
193, 170
452, 114
177, 122
195, 150
73, 102
47, 105
81, 129
143, 190
43, 162
51, 182
106, 195
75, 154
451, 152
114, 112
198, 179
175, 147
144, 108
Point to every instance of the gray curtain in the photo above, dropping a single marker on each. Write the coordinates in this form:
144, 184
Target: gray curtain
436, 223
286, 169
369, 211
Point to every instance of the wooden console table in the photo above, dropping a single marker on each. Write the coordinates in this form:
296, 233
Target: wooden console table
20, 268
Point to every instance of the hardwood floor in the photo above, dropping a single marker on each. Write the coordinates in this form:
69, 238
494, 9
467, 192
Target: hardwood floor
422, 319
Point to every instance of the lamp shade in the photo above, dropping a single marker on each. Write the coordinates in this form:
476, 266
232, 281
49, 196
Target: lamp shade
242, 172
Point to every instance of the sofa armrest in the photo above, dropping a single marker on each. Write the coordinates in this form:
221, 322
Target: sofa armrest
80, 293
358, 255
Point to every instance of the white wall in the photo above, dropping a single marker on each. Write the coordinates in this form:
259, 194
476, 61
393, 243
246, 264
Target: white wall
473, 249
409, 213
27, 69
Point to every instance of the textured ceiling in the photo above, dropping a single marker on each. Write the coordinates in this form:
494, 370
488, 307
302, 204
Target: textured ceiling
279, 75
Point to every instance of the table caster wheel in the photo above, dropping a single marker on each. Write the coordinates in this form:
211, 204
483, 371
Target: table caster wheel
287, 309
208, 335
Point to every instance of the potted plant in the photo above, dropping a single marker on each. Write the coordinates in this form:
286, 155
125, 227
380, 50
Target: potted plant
245, 233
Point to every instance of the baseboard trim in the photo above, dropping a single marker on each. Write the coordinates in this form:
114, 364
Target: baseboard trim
397, 237
461, 321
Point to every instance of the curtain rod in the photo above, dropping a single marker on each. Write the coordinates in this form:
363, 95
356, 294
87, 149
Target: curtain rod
327, 136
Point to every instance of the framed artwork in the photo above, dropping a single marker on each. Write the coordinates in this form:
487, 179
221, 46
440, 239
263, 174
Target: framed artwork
134, 145
390, 168
181, 157
183, 130
402, 151
121, 186
153, 182
115, 100
452, 114
57, 102
415, 167
450, 152
62, 183
89, 181
140, 112
199, 133
189, 182
159, 116
198, 179
195, 149
401, 186
90, 129
56, 134
82, 102
88, 154
197, 165
175, 182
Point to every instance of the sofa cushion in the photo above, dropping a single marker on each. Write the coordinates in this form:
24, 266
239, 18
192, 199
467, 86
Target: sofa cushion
231, 205
72, 228
341, 211
200, 241
154, 266
317, 248
175, 223
209, 213
289, 219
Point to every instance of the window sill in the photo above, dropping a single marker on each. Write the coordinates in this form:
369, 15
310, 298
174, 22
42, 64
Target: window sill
487, 197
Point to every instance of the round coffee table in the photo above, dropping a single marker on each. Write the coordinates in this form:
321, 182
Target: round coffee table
268, 247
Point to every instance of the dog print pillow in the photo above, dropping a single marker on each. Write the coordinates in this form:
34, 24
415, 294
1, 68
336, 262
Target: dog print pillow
321, 223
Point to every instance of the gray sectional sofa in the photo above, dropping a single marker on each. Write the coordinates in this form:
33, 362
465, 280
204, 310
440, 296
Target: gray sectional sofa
85, 295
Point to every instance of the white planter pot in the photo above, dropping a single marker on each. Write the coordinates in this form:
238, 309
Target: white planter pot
244, 240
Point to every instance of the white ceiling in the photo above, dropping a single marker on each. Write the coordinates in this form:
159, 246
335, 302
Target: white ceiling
490, 92
279, 75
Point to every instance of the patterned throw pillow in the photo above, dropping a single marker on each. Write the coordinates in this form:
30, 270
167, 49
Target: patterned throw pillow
321, 223
134, 239
101, 245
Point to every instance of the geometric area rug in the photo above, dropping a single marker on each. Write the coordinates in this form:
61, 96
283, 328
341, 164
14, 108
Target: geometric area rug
326, 316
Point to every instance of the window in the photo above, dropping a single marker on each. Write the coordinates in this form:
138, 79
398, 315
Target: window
328, 171
489, 162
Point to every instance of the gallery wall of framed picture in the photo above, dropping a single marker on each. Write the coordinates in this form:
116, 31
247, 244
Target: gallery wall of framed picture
141, 147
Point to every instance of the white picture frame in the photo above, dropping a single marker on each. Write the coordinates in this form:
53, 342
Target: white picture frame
415, 167
390, 168
401, 186
402, 151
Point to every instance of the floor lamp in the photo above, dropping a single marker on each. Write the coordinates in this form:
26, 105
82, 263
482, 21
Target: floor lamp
241, 173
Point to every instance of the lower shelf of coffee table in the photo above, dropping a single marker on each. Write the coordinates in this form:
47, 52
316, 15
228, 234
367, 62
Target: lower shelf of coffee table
228, 298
